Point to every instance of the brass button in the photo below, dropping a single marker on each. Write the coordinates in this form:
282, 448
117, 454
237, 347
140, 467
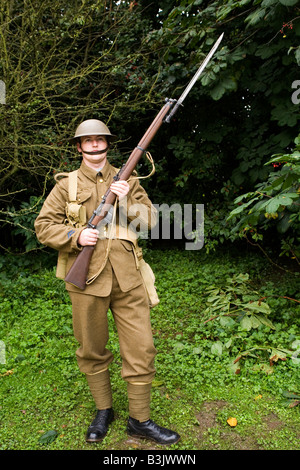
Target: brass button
101, 180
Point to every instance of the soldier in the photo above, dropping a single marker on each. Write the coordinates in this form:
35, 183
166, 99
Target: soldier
116, 282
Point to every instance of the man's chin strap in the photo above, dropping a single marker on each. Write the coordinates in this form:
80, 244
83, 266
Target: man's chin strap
96, 152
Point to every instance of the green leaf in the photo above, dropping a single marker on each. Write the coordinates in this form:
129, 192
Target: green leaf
280, 200
292, 158
272, 206
207, 78
258, 306
157, 383
297, 55
278, 354
288, 3
255, 17
284, 224
48, 437
255, 322
226, 322
217, 92
179, 346
197, 350
217, 348
241, 208
265, 321
227, 84
246, 323
291, 395
266, 368
242, 196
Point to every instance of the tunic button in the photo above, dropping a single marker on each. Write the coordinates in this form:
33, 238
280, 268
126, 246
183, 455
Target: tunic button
101, 180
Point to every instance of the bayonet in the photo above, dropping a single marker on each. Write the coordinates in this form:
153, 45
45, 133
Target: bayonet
194, 79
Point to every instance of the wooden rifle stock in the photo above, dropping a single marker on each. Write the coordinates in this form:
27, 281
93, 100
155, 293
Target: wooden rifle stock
78, 272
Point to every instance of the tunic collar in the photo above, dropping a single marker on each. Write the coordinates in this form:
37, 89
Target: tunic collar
106, 171
92, 174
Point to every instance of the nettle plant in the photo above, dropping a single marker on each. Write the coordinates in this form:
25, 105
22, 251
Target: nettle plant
239, 309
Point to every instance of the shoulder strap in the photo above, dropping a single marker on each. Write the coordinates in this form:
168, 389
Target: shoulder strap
73, 186
58, 175
72, 175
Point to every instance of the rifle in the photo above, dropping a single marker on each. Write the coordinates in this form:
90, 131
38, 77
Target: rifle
78, 272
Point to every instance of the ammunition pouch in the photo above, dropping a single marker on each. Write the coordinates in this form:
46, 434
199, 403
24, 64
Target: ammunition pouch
75, 214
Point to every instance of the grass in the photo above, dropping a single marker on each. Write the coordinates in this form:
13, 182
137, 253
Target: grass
195, 390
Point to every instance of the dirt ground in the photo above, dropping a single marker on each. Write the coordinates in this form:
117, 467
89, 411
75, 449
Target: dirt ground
231, 439
212, 435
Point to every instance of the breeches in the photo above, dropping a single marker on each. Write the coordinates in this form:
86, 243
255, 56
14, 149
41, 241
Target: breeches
132, 318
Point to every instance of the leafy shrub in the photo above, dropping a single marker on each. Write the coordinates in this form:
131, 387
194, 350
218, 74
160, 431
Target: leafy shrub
274, 204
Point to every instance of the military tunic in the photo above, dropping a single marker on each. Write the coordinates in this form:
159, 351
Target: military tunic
118, 286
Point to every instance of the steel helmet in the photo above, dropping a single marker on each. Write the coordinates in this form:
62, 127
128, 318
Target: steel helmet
92, 127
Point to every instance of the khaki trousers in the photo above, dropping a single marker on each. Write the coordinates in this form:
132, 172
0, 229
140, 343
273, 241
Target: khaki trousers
132, 318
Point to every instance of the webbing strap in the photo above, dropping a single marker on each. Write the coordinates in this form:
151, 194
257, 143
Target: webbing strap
73, 186
72, 175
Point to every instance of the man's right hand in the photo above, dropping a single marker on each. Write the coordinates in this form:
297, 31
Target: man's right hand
88, 237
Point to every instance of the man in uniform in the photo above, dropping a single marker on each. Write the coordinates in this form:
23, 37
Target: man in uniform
116, 284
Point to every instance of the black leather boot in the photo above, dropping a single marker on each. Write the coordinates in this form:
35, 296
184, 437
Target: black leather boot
98, 428
150, 430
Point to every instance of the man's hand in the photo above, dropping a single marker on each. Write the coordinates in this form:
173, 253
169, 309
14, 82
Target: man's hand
88, 237
120, 188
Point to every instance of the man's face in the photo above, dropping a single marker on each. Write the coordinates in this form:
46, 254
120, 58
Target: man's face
90, 146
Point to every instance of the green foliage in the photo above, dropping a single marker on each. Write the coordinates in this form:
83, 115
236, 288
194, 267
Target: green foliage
275, 203
51, 407
61, 64
23, 221
118, 61
48, 437
220, 315
235, 299
292, 399
237, 306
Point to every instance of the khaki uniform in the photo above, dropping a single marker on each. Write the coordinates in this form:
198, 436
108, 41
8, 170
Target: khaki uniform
118, 287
